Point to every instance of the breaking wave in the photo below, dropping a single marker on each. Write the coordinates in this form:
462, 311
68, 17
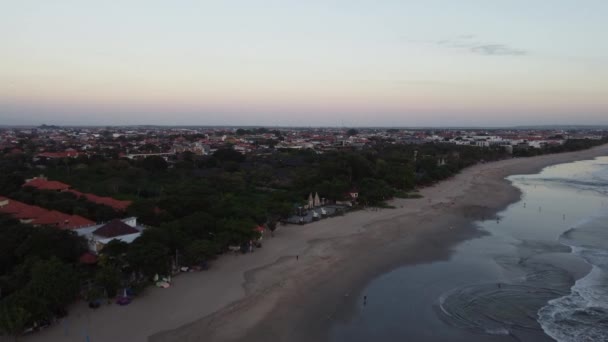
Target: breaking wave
582, 315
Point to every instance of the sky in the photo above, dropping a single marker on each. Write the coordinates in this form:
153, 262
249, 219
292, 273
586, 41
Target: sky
304, 63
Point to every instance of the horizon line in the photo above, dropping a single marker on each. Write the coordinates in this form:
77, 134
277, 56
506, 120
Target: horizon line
597, 126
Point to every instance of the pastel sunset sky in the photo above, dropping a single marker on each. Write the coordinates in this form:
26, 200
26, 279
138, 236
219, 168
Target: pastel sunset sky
304, 62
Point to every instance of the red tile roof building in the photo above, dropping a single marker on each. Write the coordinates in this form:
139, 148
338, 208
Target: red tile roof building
115, 204
41, 217
55, 155
41, 183
44, 184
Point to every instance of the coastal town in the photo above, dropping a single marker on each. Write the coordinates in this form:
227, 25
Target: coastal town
122, 209
54, 142
49, 146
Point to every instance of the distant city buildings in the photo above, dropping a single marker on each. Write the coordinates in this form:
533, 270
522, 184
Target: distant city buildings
52, 143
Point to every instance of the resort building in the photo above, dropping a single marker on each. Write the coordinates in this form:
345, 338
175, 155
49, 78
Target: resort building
38, 216
125, 230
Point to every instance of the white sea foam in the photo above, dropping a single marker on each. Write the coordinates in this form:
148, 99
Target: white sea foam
582, 315
498, 331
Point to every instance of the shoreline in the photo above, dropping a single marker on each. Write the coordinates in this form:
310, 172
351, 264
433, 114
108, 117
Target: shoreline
308, 277
305, 306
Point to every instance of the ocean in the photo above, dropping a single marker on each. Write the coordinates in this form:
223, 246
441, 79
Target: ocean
539, 272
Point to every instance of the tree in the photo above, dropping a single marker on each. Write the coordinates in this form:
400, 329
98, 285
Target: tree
279, 205
400, 176
54, 282
145, 211
114, 257
351, 132
409, 178
198, 251
47, 288
46, 242
228, 154
241, 131
10, 183
272, 226
12, 235
373, 191
237, 231
108, 277
149, 258
231, 166
13, 319
360, 167
334, 189
199, 225
154, 163
104, 213
188, 156
115, 248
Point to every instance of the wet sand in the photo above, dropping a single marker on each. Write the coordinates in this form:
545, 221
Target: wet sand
307, 277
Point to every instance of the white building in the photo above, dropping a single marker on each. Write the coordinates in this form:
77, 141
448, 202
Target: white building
126, 230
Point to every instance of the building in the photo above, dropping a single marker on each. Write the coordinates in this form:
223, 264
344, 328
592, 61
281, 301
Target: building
69, 153
97, 235
125, 230
42, 183
38, 216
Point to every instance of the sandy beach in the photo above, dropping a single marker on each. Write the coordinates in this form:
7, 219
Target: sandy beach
305, 277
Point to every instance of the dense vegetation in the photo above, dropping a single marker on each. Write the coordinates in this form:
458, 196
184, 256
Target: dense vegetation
568, 146
195, 206
39, 273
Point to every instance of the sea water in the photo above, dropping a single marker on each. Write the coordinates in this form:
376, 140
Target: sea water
582, 314
539, 274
